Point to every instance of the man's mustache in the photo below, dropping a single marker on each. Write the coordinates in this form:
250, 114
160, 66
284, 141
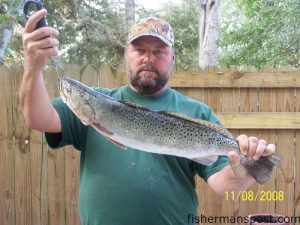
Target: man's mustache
148, 68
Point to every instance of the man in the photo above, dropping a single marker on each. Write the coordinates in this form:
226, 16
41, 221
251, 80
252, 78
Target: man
130, 187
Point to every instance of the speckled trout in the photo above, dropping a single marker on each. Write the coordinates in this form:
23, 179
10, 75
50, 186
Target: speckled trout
126, 124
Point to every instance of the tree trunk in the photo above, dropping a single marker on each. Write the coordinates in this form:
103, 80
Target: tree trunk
130, 13
14, 8
6, 32
208, 33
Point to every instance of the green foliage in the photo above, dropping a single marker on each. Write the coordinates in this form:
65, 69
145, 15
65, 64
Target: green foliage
184, 20
268, 34
9, 17
95, 33
4, 18
255, 32
90, 32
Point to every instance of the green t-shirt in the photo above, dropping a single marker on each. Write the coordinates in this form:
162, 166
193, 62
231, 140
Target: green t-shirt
132, 187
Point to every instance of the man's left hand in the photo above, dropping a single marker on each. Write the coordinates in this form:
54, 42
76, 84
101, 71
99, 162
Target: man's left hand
251, 148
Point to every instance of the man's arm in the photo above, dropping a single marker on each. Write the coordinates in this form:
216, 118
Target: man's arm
37, 108
234, 177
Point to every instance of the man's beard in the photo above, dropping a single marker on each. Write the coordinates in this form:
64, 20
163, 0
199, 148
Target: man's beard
148, 85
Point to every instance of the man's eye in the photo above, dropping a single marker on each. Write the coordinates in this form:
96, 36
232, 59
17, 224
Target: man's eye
140, 51
158, 52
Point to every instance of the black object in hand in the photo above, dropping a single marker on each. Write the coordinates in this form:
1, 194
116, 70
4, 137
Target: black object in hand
32, 6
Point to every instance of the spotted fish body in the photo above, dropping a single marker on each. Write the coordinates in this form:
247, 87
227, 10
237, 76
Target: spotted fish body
128, 125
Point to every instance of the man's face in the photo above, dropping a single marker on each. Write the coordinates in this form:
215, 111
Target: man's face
149, 63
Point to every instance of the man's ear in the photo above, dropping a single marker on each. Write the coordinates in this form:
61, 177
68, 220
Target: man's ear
174, 57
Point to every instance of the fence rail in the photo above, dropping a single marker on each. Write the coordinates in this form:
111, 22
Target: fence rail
40, 186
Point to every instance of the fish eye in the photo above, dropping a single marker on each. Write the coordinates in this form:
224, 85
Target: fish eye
69, 90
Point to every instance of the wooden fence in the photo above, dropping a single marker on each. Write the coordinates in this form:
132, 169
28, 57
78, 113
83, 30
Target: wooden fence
39, 186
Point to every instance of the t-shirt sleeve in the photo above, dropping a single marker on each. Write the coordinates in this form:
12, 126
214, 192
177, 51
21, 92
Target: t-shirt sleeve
73, 131
206, 171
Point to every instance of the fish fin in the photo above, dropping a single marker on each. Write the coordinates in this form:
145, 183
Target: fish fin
207, 161
124, 147
209, 124
136, 106
132, 104
85, 122
106, 133
261, 169
102, 130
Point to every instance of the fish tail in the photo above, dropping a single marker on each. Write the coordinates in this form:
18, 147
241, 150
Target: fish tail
261, 169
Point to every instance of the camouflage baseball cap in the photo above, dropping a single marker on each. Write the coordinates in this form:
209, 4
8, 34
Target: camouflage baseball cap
152, 26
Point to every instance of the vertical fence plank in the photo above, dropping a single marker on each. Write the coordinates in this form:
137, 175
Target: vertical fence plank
267, 103
297, 175
7, 194
120, 74
297, 158
248, 103
213, 98
88, 75
72, 156
210, 202
44, 171
107, 78
36, 150
230, 103
286, 148
23, 173
203, 191
55, 168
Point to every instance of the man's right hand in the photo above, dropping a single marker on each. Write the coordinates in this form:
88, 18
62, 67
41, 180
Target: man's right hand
38, 44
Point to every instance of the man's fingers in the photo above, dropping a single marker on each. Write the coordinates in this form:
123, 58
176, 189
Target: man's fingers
36, 40
33, 19
243, 143
270, 149
235, 164
234, 158
261, 146
252, 146
42, 44
44, 32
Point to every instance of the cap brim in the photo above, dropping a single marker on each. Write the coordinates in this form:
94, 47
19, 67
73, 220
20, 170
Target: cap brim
153, 35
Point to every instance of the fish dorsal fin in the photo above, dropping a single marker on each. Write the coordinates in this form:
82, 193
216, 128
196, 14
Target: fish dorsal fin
132, 104
209, 124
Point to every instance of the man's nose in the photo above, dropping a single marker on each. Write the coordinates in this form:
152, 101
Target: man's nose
148, 58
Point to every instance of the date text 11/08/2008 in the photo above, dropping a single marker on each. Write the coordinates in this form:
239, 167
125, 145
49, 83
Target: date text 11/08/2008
255, 196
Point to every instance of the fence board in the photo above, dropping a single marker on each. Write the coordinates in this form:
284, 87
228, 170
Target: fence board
260, 120
106, 77
297, 159
194, 93
248, 103
72, 156
56, 176
230, 103
88, 71
267, 103
286, 149
22, 165
297, 174
7, 194
35, 143
231, 79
